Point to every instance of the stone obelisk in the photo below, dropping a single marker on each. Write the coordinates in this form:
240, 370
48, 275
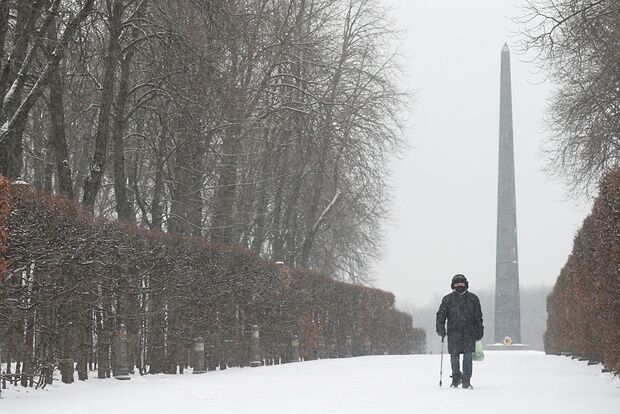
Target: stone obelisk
507, 306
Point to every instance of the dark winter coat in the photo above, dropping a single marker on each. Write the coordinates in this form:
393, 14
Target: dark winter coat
464, 317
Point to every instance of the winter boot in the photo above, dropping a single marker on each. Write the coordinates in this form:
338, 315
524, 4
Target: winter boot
466, 383
456, 380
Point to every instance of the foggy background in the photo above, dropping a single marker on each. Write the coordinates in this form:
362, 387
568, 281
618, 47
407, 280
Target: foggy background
445, 186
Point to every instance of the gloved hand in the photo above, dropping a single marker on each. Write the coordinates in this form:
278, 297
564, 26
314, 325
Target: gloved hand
441, 332
479, 332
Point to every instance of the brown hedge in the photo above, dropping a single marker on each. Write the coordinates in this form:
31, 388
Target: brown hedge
71, 279
584, 306
4, 211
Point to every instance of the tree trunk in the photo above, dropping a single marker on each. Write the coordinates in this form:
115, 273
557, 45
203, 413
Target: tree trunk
11, 152
311, 229
186, 206
158, 187
277, 244
58, 141
5, 7
260, 216
14, 125
222, 220
288, 222
84, 344
92, 182
38, 150
123, 209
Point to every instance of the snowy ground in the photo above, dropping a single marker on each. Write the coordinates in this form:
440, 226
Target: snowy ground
506, 382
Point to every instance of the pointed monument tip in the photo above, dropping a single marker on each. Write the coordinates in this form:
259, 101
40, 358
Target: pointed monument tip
505, 48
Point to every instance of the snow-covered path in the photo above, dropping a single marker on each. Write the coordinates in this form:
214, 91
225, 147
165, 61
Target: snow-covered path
506, 382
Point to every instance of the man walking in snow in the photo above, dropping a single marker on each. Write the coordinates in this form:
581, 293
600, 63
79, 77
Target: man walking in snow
461, 309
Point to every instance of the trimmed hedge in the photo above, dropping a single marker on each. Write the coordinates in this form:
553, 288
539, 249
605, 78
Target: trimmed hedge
4, 211
73, 280
584, 306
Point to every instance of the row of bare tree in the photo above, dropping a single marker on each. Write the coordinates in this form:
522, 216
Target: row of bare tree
74, 284
264, 123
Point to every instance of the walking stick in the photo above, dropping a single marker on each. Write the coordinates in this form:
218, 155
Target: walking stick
441, 366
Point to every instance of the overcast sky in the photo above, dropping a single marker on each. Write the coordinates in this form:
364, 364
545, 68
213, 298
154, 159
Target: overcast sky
445, 186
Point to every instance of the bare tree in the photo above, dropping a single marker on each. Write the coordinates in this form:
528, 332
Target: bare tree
261, 123
114, 19
579, 43
15, 107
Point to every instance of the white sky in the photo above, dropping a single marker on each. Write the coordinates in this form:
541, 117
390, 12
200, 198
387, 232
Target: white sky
445, 186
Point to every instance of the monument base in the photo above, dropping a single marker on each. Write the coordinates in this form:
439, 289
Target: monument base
122, 377
503, 347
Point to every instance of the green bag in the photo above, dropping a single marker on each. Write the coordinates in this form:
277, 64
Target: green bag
479, 352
